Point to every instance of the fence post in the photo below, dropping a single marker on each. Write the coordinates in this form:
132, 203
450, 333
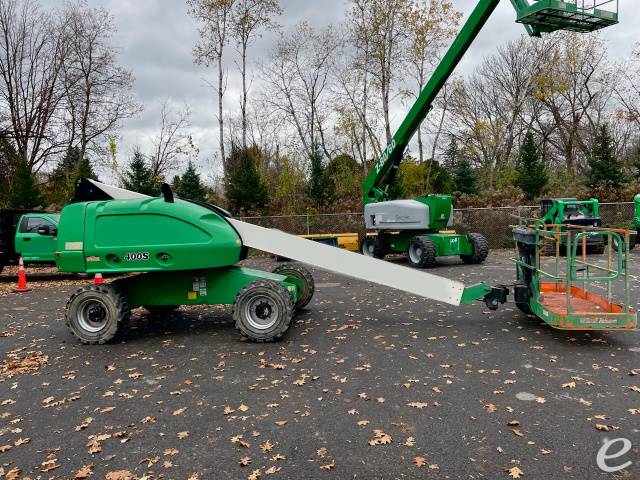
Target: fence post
308, 224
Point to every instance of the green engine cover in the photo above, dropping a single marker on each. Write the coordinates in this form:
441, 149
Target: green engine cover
440, 210
144, 235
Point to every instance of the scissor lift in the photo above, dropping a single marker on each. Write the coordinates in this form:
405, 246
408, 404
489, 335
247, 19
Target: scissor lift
574, 291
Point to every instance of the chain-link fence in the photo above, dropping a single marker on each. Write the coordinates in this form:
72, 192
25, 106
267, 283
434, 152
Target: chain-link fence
494, 223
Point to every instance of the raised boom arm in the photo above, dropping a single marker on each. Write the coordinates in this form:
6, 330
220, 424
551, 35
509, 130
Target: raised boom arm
539, 17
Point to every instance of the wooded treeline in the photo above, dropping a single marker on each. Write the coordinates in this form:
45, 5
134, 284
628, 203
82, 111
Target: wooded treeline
551, 116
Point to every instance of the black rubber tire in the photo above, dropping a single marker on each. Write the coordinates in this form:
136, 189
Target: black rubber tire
524, 307
274, 295
299, 272
421, 252
161, 309
480, 249
373, 247
1, 264
632, 243
111, 300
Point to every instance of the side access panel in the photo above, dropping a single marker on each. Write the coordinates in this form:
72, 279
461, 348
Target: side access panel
216, 286
397, 215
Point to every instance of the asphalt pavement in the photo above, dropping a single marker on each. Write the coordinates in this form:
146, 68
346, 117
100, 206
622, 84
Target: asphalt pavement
369, 383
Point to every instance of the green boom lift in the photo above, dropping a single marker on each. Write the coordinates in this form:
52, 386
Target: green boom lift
416, 226
169, 252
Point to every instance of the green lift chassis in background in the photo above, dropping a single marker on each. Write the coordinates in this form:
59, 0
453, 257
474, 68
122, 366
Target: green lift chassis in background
414, 226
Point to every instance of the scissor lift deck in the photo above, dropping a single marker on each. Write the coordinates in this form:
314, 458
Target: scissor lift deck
583, 307
546, 16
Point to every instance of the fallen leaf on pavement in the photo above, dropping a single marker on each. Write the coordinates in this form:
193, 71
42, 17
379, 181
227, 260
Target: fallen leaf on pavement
120, 475
515, 472
84, 472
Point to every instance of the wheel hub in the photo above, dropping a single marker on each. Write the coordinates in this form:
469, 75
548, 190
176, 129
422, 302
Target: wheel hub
97, 314
415, 253
92, 315
263, 310
262, 313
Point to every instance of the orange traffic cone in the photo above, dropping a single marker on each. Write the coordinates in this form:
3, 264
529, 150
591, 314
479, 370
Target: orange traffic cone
22, 279
98, 280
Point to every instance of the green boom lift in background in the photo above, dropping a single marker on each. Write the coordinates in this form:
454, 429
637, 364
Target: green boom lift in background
416, 227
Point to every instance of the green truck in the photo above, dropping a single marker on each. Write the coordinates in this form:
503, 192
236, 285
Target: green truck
31, 235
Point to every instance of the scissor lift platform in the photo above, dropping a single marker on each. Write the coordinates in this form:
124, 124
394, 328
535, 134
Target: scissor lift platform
583, 16
587, 309
565, 292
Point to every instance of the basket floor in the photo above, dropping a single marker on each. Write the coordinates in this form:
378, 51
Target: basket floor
582, 302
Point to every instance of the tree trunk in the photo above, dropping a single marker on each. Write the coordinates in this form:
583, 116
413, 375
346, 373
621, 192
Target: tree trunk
243, 105
220, 106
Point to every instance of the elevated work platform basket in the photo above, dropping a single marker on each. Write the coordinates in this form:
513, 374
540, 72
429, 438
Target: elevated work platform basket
574, 290
545, 16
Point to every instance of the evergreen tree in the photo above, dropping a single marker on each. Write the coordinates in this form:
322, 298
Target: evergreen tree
64, 176
8, 162
606, 169
320, 187
139, 177
25, 194
464, 178
243, 184
532, 176
175, 183
190, 187
450, 156
439, 178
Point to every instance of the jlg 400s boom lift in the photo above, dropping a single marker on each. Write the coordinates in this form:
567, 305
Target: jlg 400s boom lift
180, 252
417, 227
185, 253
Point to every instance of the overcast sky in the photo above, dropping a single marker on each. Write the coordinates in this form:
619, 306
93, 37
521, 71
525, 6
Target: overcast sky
156, 38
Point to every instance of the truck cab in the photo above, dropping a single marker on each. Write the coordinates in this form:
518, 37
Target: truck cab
36, 237
39, 247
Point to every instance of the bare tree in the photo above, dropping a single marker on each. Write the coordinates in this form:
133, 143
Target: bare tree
385, 27
249, 18
569, 85
214, 16
172, 141
98, 90
32, 54
432, 24
488, 109
627, 91
297, 78
357, 87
